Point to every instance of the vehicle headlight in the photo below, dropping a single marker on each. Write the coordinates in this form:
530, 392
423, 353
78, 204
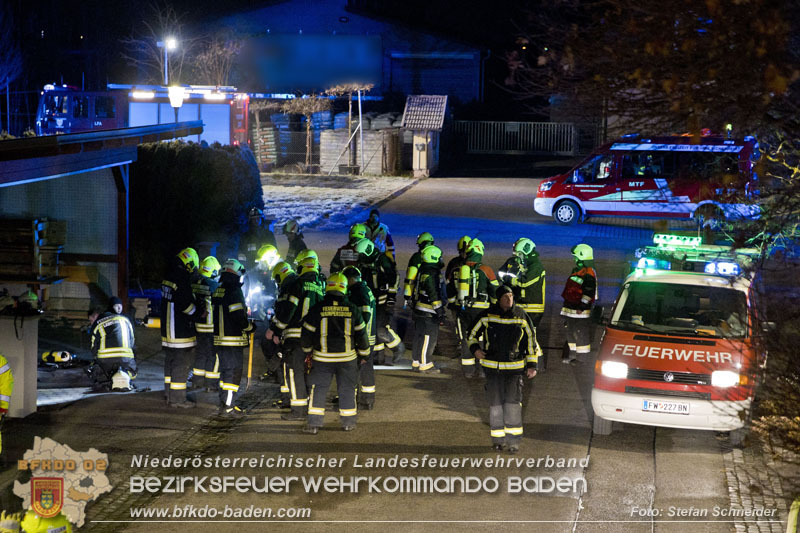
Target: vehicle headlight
613, 369
546, 185
724, 378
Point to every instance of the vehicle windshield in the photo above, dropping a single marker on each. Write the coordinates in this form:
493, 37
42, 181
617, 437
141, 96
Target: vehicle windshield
671, 308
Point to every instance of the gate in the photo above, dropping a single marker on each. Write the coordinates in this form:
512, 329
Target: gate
534, 138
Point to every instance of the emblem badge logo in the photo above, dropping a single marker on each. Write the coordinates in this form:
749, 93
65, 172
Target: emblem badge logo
47, 496
668, 376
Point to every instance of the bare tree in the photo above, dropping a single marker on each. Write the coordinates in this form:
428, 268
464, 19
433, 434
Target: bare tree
258, 106
10, 58
307, 107
142, 50
348, 90
213, 64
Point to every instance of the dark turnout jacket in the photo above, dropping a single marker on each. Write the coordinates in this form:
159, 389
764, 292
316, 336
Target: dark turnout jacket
334, 331
231, 324
179, 309
509, 339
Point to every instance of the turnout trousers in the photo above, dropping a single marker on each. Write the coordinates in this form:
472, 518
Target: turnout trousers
426, 335
295, 376
230, 374
467, 318
366, 378
387, 338
322, 373
176, 372
206, 366
578, 335
504, 393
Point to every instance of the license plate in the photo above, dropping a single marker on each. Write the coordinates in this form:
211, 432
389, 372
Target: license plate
677, 408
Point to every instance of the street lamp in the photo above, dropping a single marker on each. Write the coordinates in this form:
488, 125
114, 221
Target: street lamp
168, 44
176, 95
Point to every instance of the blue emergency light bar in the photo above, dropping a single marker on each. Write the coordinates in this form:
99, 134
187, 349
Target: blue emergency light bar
723, 268
653, 147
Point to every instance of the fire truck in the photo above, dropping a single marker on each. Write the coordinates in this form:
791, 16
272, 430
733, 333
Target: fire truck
673, 177
682, 346
65, 109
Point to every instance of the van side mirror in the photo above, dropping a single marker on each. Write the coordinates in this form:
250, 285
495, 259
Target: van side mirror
597, 314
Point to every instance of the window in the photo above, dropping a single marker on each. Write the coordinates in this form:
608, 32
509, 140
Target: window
80, 107
104, 107
706, 165
648, 165
599, 169
56, 104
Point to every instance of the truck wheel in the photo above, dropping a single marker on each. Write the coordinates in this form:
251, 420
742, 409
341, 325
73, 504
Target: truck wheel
601, 426
567, 213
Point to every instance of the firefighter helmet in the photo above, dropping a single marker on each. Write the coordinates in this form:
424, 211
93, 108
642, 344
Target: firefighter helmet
424, 239
189, 258
57, 357
463, 242
336, 282
305, 253
351, 272
309, 264
256, 213
291, 226
358, 231
524, 247
475, 246
33, 523
210, 267
583, 252
281, 271
365, 247
431, 254
268, 255
233, 266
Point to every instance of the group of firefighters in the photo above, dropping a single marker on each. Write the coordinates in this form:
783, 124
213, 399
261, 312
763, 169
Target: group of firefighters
319, 327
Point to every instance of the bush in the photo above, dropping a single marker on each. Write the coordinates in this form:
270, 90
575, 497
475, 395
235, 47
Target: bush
185, 193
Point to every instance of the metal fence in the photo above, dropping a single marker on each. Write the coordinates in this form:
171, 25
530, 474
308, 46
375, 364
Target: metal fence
535, 138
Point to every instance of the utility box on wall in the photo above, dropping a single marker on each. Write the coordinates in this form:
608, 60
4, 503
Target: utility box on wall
424, 115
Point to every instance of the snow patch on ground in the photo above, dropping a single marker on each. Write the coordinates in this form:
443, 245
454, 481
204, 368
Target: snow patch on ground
325, 201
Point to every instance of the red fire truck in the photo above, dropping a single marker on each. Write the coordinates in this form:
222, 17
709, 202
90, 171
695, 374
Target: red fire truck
681, 348
676, 177
69, 110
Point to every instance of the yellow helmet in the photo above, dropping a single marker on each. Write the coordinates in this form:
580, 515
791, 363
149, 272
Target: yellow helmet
424, 239
463, 242
281, 271
233, 266
189, 258
210, 267
431, 254
336, 282
358, 231
309, 264
291, 226
583, 252
33, 523
268, 255
475, 246
305, 253
365, 247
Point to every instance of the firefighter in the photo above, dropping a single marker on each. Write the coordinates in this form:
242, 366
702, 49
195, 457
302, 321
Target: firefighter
378, 233
206, 363
428, 310
524, 273
6, 388
580, 293
285, 329
346, 255
283, 275
380, 274
334, 334
423, 239
359, 293
258, 234
310, 253
179, 310
231, 334
509, 350
295, 237
113, 348
476, 284
451, 288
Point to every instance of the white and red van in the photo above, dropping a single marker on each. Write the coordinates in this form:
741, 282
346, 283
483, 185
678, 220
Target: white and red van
680, 348
676, 177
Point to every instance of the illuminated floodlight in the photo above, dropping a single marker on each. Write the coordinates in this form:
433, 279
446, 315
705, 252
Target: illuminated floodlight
143, 95
171, 43
214, 96
670, 239
722, 268
646, 262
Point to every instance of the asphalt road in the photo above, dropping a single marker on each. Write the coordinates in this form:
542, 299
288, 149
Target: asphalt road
631, 475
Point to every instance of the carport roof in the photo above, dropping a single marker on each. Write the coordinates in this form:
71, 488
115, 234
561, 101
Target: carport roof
40, 158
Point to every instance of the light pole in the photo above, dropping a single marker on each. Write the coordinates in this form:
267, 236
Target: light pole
167, 44
176, 94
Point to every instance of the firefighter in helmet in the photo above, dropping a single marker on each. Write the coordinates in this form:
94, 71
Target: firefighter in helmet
428, 309
347, 255
423, 239
206, 363
295, 237
579, 294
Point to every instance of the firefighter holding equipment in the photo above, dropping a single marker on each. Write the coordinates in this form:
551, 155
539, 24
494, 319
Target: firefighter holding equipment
347, 255
205, 372
283, 275
380, 274
360, 294
508, 350
179, 311
231, 334
476, 284
6, 388
378, 233
580, 294
335, 335
428, 309
113, 342
423, 239
286, 327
